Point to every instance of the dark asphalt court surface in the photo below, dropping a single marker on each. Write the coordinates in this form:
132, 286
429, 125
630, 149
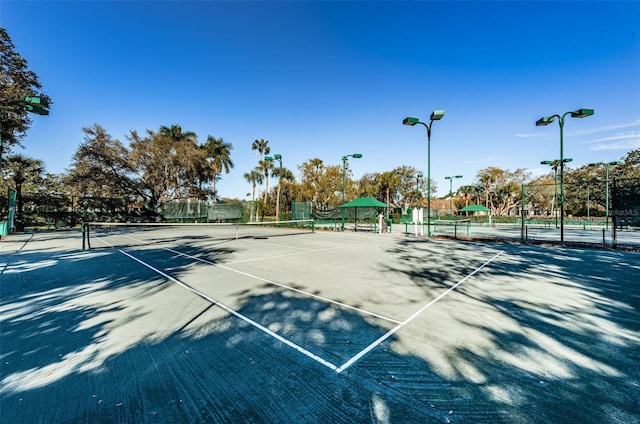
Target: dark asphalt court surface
315, 328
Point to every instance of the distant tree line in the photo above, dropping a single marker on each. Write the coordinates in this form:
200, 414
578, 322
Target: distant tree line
172, 164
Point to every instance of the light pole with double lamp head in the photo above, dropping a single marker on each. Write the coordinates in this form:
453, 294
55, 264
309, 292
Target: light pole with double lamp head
436, 115
546, 120
417, 177
586, 181
606, 167
344, 172
451, 193
554, 164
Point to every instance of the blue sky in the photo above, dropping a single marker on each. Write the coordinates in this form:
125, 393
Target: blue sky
325, 79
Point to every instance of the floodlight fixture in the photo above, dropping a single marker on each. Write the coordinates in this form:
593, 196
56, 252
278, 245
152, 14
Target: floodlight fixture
437, 115
582, 113
410, 121
544, 121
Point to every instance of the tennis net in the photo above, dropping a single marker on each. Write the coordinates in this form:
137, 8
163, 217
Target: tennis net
109, 234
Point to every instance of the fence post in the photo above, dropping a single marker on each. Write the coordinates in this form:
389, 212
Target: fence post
522, 236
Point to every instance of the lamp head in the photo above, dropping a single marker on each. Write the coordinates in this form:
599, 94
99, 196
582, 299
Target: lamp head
595, 164
615, 162
278, 156
437, 115
544, 121
410, 121
458, 176
546, 162
357, 155
582, 113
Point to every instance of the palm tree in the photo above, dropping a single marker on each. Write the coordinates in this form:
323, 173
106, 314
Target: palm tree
261, 146
22, 169
183, 151
218, 154
174, 132
282, 174
266, 166
254, 177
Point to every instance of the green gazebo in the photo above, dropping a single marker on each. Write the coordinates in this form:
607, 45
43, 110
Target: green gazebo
369, 204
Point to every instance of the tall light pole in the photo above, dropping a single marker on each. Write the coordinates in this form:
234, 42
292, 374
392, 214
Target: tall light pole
451, 192
586, 181
417, 177
436, 115
554, 164
344, 172
546, 120
277, 157
606, 167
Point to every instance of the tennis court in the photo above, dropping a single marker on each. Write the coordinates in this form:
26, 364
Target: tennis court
157, 326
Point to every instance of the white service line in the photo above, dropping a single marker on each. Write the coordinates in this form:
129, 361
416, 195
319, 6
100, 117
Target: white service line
411, 318
281, 256
237, 314
324, 299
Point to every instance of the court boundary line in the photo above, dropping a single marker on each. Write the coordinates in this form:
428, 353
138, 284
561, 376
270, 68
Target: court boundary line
320, 360
265, 280
394, 330
235, 313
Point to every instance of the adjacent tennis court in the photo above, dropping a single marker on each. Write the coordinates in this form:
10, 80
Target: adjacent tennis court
212, 324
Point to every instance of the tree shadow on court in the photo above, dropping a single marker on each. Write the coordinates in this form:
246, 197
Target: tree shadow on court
57, 302
554, 331
78, 352
64, 362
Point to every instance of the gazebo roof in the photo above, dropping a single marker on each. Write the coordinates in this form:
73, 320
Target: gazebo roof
364, 202
475, 208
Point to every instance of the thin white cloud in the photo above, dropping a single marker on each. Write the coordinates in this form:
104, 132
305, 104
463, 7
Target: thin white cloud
624, 145
520, 135
623, 136
604, 129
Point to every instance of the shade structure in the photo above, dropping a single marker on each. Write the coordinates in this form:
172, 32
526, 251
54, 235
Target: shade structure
367, 203
475, 208
478, 208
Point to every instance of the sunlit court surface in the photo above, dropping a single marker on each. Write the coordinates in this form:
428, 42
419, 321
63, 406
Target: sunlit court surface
315, 327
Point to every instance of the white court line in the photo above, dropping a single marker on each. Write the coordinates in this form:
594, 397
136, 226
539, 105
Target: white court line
237, 314
411, 318
280, 256
324, 299
277, 244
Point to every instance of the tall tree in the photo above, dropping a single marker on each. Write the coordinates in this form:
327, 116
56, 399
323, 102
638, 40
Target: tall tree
321, 184
502, 188
102, 166
266, 166
186, 158
21, 169
255, 178
218, 154
261, 146
283, 174
16, 82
